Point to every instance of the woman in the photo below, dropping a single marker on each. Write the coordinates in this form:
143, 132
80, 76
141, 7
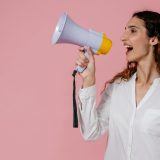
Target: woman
129, 111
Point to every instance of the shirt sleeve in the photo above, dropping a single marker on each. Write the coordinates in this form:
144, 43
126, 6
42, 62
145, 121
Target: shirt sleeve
94, 121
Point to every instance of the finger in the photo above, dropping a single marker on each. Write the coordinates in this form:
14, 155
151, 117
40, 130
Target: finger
81, 49
79, 63
83, 61
83, 57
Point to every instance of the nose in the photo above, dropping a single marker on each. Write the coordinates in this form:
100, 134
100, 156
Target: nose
124, 37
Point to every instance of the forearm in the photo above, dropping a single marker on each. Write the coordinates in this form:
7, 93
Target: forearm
91, 124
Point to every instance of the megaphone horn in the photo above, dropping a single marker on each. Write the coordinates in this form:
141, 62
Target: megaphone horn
68, 31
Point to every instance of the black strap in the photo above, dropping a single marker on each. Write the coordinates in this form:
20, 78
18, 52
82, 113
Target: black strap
75, 116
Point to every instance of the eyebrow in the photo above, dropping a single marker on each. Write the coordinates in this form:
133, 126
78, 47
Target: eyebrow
131, 26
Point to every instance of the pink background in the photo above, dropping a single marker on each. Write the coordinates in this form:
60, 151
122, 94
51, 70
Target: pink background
35, 77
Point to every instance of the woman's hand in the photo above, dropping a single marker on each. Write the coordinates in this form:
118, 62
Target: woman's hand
88, 75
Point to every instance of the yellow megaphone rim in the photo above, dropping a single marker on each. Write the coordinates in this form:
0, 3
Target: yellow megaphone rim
105, 45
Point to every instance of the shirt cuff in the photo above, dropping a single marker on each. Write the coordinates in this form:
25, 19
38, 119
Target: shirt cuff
85, 93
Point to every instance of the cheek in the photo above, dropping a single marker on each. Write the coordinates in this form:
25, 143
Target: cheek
142, 46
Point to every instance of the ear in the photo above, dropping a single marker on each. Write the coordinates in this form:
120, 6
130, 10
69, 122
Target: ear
153, 41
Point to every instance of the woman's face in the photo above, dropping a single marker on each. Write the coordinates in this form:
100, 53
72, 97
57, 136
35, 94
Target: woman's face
135, 40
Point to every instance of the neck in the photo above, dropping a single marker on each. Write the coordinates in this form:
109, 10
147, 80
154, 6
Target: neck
147, 69
146, 73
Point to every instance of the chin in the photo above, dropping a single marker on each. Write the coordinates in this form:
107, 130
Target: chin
130, 59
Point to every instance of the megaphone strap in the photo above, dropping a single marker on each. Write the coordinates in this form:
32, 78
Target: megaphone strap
75, 116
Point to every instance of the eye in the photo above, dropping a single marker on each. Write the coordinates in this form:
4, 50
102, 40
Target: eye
133, 30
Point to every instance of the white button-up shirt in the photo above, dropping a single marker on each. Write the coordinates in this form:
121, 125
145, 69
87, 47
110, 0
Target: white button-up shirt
133, 131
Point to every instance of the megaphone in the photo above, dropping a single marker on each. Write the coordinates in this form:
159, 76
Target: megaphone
67, 31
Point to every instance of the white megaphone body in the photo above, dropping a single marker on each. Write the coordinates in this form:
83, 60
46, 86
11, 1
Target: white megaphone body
67, 31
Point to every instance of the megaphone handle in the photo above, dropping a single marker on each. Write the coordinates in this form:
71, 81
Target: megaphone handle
77, 69
81, 69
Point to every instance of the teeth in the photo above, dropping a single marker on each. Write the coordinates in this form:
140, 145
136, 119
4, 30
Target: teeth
127, 46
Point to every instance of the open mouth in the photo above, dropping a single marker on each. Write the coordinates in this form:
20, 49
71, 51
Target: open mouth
129, 49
